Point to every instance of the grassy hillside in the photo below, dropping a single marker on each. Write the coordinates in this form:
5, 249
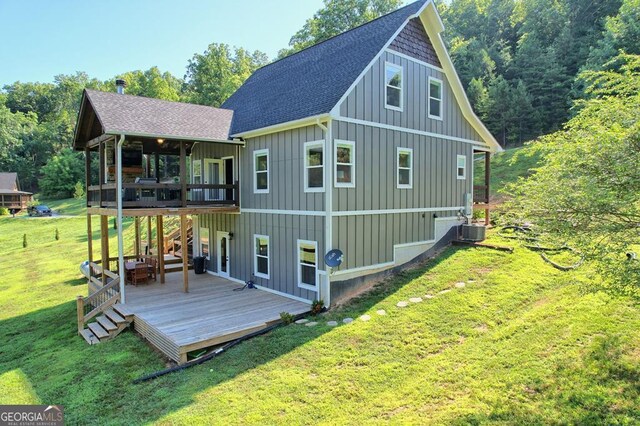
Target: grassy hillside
507, 167
520, 343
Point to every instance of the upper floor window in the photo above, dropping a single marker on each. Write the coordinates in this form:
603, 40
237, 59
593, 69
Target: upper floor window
345, 164
393, 86
314, 166
261, 171
261, 258
435, 98
461, 166
405, 168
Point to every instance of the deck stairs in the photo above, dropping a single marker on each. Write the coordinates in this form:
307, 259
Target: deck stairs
112, 322
174, 264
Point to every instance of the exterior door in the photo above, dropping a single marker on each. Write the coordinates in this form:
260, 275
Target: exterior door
213, 176
223, 254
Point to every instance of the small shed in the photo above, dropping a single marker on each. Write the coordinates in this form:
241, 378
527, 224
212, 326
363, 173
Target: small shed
11, 197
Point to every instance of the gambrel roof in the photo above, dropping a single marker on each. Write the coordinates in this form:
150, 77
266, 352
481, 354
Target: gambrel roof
312, 81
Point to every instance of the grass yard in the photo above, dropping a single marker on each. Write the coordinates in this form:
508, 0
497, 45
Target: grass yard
519, 344
507, 167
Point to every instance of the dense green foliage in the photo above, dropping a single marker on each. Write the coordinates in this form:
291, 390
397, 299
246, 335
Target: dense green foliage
587, 189
337, 16
513, 347
519, 60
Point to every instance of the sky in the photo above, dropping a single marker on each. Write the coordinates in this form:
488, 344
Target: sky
44, 38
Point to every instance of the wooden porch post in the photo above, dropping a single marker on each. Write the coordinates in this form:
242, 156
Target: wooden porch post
183, 174
487, 178
136, 224
160, 232
149, 235
104, 245
87, 175
89, 238
101, 172
185, 252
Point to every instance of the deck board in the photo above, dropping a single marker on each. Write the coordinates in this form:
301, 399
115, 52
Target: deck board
211, 313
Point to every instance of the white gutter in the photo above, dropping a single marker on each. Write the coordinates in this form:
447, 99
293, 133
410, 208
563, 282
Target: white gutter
121, 269
328, 204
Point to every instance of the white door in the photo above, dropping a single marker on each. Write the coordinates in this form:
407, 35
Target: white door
223, 254
213, 175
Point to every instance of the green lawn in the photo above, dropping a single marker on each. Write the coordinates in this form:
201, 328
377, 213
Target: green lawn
507, 167
520, 344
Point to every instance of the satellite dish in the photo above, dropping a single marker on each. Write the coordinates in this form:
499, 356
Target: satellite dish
333, 258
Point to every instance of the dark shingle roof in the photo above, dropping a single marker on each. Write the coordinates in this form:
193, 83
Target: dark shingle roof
9, 184
136, 115
312, 81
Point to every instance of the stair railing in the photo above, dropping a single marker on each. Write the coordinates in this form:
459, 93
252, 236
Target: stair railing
99, 301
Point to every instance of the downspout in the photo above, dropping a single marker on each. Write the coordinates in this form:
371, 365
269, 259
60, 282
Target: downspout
119, 194
328, 205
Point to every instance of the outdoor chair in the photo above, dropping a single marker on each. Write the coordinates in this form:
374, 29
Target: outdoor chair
152, 267
140, 274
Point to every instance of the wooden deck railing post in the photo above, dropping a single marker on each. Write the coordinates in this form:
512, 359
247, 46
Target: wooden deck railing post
160, 235
80, 309
185, 252
183, 174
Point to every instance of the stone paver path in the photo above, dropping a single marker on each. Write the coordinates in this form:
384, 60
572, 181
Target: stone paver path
311, 324
415, 300
460, 285
332, 323
365, 317
347, 320
402, 304
381, 312
302, 321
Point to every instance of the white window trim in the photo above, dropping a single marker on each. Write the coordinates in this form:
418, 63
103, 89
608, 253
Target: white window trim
399, 68
305, 147
464, 175
398, 184
255, 256
300, 283
352, 146
439, 82
257, 153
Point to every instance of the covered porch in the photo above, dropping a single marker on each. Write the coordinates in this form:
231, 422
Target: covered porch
213, 312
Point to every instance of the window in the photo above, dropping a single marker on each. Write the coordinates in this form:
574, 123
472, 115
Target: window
345, 158
196, 171
307, 264
393, 86
261, 171
405, 168
462, 167
314, 166
435, 98
204, 242
261, 259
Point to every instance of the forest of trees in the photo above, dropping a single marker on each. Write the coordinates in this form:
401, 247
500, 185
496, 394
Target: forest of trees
518, 60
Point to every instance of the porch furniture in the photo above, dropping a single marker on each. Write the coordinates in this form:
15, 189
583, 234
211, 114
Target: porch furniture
140, 274
152, 267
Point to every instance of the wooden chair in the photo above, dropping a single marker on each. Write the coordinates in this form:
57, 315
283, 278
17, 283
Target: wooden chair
152, 267
140, 274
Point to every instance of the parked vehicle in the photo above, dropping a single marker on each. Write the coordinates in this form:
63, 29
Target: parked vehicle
40, 210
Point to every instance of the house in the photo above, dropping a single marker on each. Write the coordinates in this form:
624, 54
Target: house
363, 143
11, 197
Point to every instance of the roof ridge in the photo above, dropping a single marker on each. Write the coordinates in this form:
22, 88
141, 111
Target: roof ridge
155, 99
342, 33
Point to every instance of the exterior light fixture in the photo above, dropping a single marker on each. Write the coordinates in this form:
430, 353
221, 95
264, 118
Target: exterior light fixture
160, 141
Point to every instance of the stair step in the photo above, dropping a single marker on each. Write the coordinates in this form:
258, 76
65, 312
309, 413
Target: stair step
115, 317
172, 261
176, 269
123, 312
97, 329
106, 323
89, 337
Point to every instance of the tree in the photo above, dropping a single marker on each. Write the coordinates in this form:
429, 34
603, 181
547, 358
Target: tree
587, 191
214, 75
622, 33
61, 173
151, 83
337, 16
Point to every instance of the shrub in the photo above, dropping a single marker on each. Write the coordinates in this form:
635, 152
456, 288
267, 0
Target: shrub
317, 306
78, 190
57, 235
286, 317
4, 211
24, 241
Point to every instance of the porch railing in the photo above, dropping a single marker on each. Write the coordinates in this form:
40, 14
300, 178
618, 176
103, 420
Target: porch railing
481, 194
163, 195
97, 302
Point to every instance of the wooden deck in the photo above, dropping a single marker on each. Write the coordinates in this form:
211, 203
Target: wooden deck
211, 313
